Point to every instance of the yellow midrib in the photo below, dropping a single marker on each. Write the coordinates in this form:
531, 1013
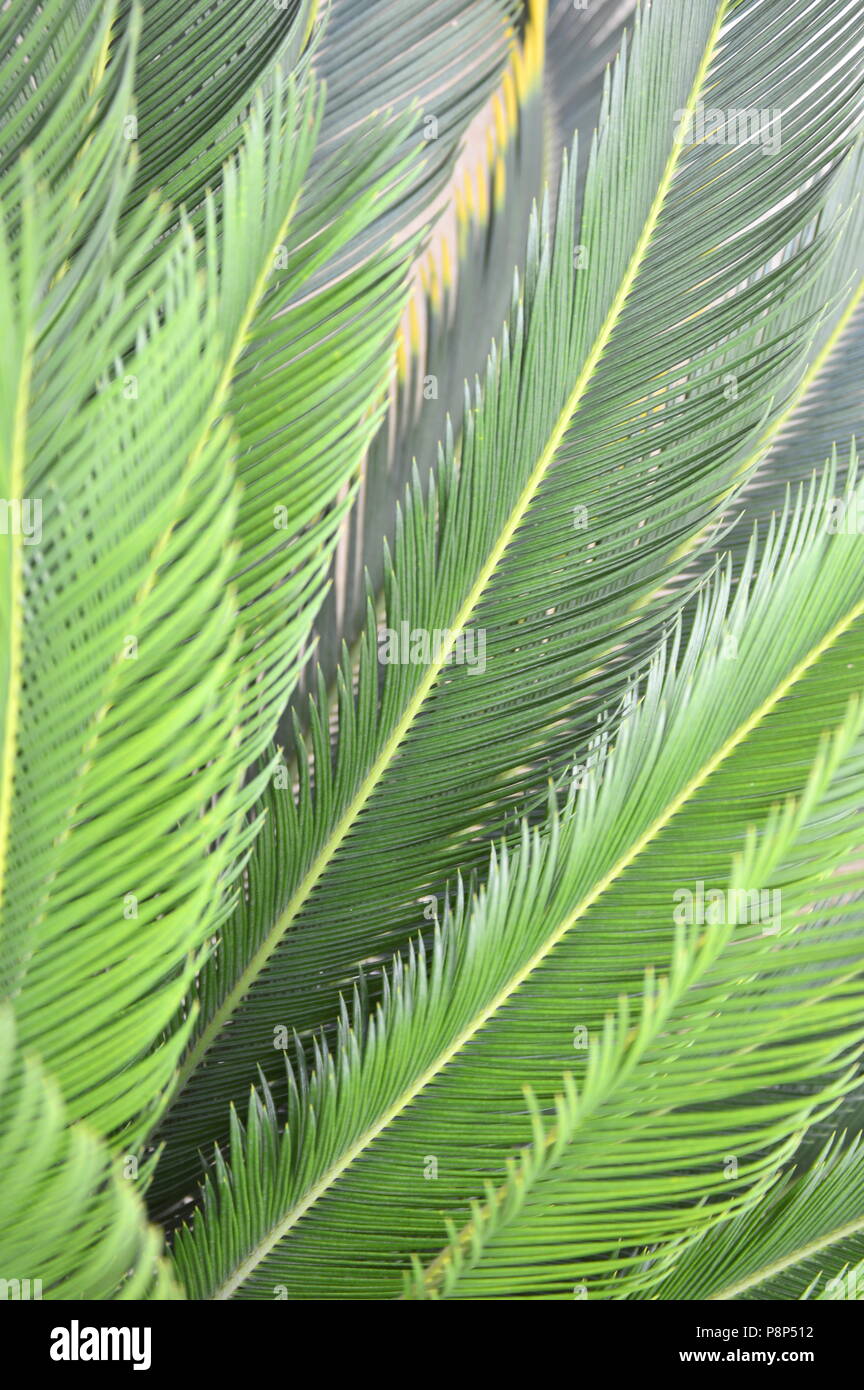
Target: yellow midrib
804, 1252
382, 762
516, 981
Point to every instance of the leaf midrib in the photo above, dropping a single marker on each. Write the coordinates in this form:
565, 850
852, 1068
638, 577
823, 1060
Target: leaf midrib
415, 704
804, 1252
517, 980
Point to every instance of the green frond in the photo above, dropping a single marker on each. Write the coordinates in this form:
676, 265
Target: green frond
806, 1234
304, 371
604, 404
131, 422
431, 649
457, 306
62, 100
199, 68
330, 1201
71, 1223
134, 501
201, 65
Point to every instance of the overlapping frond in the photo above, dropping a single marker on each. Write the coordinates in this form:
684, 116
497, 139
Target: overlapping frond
533, 966
601, 443
116, 600
72, 1225
199, 67
51, 96
304, 372
331, 1198
671, 1081
804, 1238
459, 301
169, 607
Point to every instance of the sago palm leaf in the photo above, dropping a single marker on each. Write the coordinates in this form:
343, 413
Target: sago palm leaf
122, 761
531, 965
303, 375
198, 69
463, 307
458, 306
334, 1203
190, 607
71, 1224
201, 65
601, 443
804, 1238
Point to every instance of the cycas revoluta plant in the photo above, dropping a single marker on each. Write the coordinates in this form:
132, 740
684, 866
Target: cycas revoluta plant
432, 627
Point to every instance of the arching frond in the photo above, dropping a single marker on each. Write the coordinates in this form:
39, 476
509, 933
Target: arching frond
431, 772
71, 1225
604, 405
129, 423
807, 1234
333, 1202
458, 304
